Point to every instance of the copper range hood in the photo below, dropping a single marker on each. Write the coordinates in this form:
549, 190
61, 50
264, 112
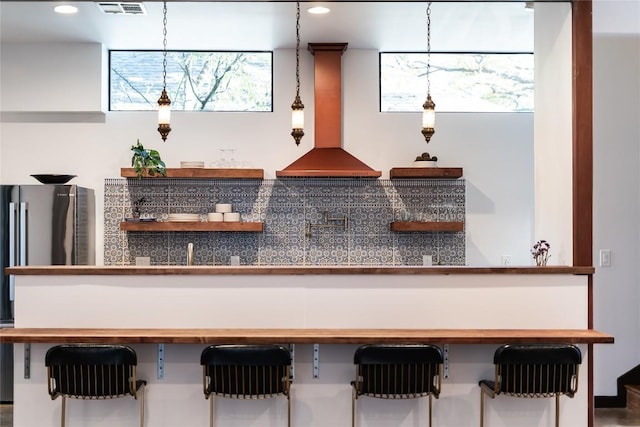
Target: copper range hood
328, 158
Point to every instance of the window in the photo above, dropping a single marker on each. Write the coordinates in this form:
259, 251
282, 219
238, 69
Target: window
196, 81
460, 82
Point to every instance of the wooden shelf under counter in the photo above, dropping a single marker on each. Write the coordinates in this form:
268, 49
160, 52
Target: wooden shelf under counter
433, 173
426, 226
192, 226
219, 173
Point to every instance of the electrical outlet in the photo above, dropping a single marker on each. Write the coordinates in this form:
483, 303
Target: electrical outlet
605, 257
143, 260
506, 260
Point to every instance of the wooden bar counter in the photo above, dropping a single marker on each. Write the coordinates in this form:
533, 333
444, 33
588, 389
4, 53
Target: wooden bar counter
300, 336
58, 270
326, 312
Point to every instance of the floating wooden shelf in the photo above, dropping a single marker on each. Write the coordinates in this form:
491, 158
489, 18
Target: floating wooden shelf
434, 173
221, 173
418, 226
192, 226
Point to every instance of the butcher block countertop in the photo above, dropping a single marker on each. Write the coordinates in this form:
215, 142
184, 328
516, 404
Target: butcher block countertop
64, 270
301, 336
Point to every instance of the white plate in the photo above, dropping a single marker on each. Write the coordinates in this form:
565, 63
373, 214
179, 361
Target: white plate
191, 164
184, 217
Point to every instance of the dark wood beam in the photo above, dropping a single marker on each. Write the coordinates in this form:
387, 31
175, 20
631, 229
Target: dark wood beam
582, 47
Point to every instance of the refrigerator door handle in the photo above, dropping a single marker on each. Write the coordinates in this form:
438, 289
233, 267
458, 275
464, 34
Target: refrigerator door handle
23, 234
12, 247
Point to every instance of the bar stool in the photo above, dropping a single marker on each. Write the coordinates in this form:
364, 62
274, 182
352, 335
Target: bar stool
246, 372
535, 370
397, 372
87, 371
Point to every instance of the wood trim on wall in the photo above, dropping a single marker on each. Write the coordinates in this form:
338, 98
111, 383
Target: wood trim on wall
582, 61
582, 132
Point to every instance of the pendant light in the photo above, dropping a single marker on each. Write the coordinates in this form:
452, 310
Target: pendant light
164, 103
429, 107
297, 113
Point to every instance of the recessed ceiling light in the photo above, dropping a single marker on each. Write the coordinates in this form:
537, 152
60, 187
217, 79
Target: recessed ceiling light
65, 9
318, 10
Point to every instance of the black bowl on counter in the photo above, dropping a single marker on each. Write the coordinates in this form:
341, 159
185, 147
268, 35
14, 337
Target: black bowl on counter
53, 179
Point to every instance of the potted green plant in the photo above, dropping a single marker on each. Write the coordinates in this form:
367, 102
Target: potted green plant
147, 160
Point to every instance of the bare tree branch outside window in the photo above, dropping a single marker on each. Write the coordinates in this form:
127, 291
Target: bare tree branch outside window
462, 82
196, 81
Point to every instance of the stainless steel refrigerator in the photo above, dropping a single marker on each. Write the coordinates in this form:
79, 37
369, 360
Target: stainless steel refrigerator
40, 225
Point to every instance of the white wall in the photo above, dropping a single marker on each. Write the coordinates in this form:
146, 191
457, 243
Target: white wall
494, 149
553, 130
70, 86
616, 112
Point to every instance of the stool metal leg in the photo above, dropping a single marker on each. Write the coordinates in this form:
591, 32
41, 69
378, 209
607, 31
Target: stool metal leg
353, 407
481, 408
63, 411
430, 409
289, 410
141, 406
211, 414
557, 410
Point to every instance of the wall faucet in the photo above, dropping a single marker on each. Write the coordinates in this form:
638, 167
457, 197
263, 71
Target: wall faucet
342, 222
190, 254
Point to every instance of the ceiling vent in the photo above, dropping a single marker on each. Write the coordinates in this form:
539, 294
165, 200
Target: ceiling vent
120, 8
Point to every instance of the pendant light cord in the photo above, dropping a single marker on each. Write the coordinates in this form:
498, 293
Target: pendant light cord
164, 46
429, 49
297, 49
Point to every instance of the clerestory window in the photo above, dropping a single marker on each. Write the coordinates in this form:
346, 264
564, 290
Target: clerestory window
460, 82
196, 80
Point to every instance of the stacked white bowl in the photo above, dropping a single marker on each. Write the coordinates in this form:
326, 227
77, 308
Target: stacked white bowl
215, 216
224, 213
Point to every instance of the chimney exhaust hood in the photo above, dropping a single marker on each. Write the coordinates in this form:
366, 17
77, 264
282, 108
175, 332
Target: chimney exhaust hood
328, 158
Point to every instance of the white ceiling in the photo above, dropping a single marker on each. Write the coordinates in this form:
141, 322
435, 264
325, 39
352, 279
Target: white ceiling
392, 25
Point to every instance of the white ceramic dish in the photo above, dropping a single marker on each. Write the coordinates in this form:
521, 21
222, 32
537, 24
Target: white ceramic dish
184, 217
215, 216
191, 164
223, 207
231, 217
424, 164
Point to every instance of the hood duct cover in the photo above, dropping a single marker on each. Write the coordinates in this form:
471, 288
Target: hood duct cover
328, 158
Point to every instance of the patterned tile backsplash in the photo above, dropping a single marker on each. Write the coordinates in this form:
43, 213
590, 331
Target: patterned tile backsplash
287, 207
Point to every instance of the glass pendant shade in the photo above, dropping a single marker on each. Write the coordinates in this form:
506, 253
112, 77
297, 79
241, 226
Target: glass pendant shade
428, 118
164, 115
297, 120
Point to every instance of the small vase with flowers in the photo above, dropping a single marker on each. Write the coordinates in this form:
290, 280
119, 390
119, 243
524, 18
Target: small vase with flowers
540, 252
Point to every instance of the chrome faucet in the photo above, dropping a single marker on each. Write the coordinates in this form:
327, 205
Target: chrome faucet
190, 254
